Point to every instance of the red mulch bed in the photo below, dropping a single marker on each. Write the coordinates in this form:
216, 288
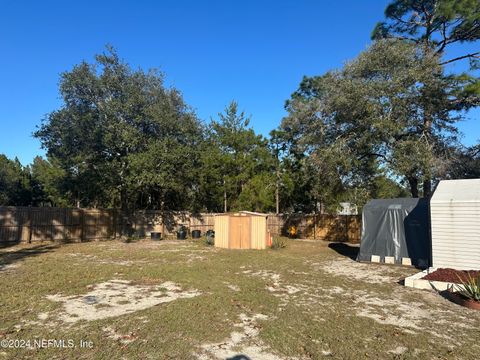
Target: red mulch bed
451, 275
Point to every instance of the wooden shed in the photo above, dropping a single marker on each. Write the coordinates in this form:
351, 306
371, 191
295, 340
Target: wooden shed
455, 221
241, 230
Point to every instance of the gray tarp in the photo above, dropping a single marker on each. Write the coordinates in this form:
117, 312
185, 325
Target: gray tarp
398, 228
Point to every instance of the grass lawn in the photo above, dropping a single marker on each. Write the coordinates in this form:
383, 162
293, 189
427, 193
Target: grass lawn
184, 300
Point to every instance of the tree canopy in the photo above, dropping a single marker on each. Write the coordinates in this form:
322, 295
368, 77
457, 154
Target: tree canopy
368, 118
383, 125
122, 138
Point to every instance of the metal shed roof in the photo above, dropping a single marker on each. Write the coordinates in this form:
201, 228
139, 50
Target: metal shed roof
464, 190
251, 213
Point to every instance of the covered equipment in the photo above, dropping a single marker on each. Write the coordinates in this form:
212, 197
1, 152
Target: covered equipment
396, 231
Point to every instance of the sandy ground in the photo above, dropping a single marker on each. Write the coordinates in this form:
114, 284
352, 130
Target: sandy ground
366, 291
242, 342
115, 298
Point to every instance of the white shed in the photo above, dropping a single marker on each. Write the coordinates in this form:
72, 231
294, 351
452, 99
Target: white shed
455, 221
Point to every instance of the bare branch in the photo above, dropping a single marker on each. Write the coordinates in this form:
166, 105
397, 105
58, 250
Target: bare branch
472, 55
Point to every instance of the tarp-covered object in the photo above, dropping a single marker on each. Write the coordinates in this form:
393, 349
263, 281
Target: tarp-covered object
398, 228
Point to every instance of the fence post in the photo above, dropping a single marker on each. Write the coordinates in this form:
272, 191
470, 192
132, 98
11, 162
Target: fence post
114, 225
82, 225
65, 225
30, 225
346, 228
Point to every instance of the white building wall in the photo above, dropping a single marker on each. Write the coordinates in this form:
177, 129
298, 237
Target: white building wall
455, 222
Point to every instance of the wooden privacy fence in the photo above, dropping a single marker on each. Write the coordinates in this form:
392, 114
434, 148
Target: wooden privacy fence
344, 228
29, 224
143, 222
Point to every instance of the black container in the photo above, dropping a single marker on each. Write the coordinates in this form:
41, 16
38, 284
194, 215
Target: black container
196, 234
182, 233
156, 236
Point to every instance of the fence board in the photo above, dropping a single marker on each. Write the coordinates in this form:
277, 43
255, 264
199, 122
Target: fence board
29, 224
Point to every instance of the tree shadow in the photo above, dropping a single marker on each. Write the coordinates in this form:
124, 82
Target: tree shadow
345, 249
239, 357
11, 257
416, 226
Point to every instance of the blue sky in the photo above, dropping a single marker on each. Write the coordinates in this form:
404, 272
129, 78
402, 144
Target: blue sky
255, 52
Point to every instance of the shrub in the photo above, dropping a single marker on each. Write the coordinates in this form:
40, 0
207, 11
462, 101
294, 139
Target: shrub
470, 288
278, 242
210, 240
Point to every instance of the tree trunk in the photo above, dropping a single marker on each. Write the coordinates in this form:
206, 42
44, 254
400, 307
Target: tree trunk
427, 188
224, 197
413, 182
277, 194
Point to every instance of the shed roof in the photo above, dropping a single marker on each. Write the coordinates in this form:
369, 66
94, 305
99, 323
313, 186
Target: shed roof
251, 213
464, 190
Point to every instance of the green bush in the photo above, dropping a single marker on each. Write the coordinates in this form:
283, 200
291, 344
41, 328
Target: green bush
470, 288
279, 242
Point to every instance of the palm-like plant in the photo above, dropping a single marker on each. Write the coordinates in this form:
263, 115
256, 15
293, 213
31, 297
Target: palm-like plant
470, 288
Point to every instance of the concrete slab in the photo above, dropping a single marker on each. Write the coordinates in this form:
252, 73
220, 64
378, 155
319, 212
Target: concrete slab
389, 260
416, 281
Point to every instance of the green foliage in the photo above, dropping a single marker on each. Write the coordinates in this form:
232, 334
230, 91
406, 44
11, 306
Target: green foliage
470, 288
258, 193
15, 183
279, 242
384, 122
239, 161
121, 138
434, 23
466, 164
387, 112
49, 183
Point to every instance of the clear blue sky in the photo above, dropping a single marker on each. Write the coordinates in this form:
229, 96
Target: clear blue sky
213, 51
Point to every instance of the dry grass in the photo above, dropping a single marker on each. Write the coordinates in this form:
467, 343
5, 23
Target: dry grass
184, 300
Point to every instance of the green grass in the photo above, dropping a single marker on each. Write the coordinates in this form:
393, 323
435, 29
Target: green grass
353, 311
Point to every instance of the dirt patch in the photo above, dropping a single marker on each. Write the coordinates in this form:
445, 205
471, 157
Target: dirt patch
116, 298
413, 316
274, 283
104, 261
451, 275
233, 287
115, 335
7, 267
399, 350
406, 315
370, 273
244, 342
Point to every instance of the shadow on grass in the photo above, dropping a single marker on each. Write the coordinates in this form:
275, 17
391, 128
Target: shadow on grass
239, 357
345, 250
11, 257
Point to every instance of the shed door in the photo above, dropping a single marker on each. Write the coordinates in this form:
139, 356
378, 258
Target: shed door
239, 232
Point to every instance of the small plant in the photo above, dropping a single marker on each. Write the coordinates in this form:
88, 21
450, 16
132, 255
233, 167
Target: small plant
470, 288
210, 240
278, 243
292, 231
